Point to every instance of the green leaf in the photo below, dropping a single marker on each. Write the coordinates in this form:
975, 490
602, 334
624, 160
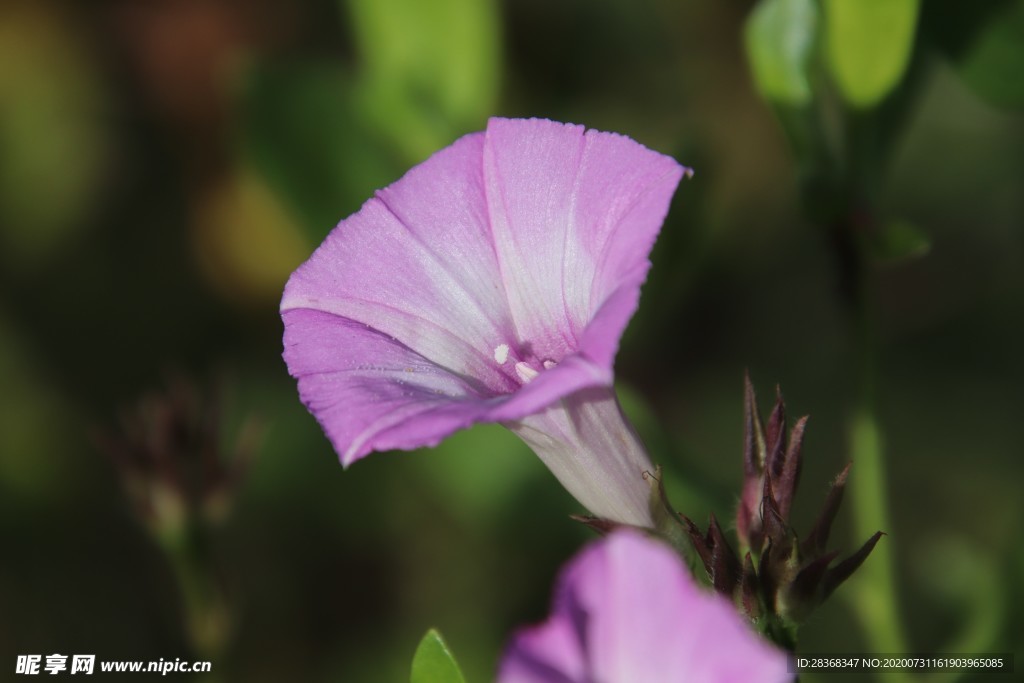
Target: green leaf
869, 44
994, 65
433, 662
780, 36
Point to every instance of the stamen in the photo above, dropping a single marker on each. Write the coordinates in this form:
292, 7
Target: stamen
501, 353
548, 364
525, 372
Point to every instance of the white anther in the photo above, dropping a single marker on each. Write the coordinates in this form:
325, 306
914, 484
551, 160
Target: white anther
548, 364
525, 372
501, 353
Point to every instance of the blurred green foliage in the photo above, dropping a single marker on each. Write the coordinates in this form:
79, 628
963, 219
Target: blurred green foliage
995, 61
780, 35
53, 146
164, 165
869, 45
430, 71
424, 74
304, 131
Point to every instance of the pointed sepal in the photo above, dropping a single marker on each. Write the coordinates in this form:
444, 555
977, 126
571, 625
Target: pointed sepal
818, 538
842, 571
601, 526
717, 556
750, 590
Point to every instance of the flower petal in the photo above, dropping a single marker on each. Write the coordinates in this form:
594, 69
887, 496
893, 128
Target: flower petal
416, 264
634, 596
368, 391
550, 652
639, 616
574, 215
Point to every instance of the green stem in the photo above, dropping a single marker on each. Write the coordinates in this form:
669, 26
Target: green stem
872, 592
845, 206
206, 615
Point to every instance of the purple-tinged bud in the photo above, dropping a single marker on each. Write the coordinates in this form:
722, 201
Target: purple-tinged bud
781, 578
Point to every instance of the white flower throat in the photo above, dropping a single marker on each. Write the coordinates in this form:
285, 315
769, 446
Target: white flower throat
524, 371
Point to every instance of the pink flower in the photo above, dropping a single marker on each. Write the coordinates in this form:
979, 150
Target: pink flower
626, 610
490, 284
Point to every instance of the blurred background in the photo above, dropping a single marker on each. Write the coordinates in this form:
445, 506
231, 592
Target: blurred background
164, 165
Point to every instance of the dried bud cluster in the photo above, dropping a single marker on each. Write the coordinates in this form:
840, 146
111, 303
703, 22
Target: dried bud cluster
170, 451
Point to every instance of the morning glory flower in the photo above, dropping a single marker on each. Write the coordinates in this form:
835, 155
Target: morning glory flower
626, 610
491, 283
